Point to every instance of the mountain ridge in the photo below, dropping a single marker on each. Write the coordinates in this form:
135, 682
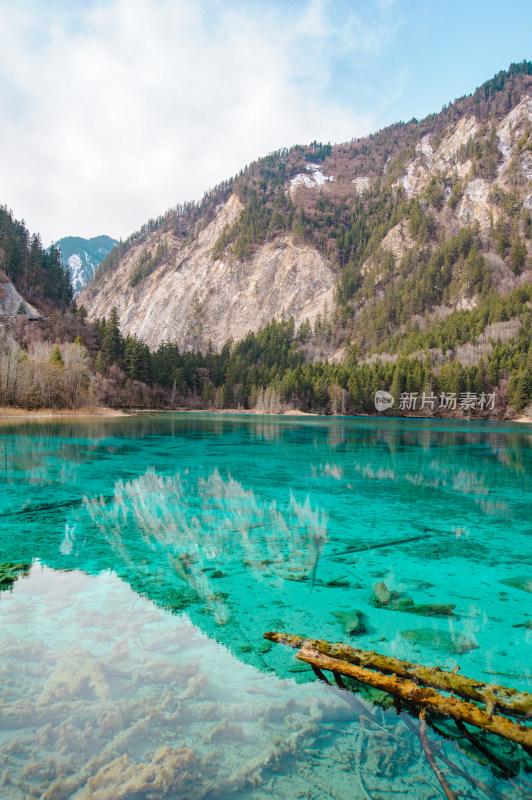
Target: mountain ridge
352, 207
322, 278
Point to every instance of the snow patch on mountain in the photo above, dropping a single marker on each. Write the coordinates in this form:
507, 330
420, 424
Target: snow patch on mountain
83, 257
76, 270
314, 177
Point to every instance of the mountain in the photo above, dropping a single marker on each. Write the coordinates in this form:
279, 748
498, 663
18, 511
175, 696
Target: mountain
83, 256
410, 246
169, 286
356, 228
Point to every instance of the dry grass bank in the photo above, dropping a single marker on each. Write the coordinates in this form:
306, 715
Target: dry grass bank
10, 412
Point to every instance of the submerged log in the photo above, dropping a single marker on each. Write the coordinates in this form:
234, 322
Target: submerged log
502, 698
426, 697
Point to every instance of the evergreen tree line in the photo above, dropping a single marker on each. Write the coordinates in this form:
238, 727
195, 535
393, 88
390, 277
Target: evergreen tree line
461, 326
36, 272
271, 364
425, 280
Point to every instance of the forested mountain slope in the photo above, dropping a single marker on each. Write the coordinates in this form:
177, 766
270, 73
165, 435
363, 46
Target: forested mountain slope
390, 237
36, 274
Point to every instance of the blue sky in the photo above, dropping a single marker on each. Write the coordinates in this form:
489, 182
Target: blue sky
114, 110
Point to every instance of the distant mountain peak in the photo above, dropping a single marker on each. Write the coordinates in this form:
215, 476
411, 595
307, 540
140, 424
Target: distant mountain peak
83, 256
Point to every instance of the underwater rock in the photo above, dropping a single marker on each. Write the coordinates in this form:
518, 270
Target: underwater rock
522, 582
382, 593
428, 609
439, 640
170, 771
352, 621
393, 601
399, 601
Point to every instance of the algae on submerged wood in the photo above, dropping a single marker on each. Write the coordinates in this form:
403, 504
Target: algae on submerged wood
502, 698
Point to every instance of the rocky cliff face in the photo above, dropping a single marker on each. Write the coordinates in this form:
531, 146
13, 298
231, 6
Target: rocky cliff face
194, 298
470, 166
11, 302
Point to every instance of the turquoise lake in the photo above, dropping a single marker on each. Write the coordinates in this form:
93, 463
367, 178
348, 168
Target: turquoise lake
160, 548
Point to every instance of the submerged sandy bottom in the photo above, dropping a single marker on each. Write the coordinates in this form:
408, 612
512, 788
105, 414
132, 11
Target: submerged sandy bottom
105, 696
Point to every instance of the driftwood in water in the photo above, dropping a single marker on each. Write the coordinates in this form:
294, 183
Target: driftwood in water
495, 697
357, 549
428, 698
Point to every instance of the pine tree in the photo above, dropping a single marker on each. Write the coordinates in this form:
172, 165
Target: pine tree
397, 383
113, 343
518, 255
99, 363
520, 389
56, 358
493, 372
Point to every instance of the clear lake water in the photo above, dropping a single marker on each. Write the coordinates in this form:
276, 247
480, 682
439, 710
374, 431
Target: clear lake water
155, 551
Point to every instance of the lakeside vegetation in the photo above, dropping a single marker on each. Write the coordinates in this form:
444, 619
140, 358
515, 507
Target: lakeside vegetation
266, 370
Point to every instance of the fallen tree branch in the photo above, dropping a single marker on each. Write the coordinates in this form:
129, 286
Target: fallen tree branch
484, 750
356, 549
501, 698
449, 794
426, 697
488, 791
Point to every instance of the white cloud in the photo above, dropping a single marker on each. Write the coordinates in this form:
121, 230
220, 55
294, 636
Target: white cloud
114, 111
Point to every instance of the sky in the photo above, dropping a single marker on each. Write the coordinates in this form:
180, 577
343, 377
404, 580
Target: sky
113, 111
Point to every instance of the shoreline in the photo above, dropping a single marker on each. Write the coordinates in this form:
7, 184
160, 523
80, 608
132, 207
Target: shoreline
12, 413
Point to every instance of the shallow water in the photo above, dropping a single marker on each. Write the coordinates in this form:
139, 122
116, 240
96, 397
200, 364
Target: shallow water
163, 547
